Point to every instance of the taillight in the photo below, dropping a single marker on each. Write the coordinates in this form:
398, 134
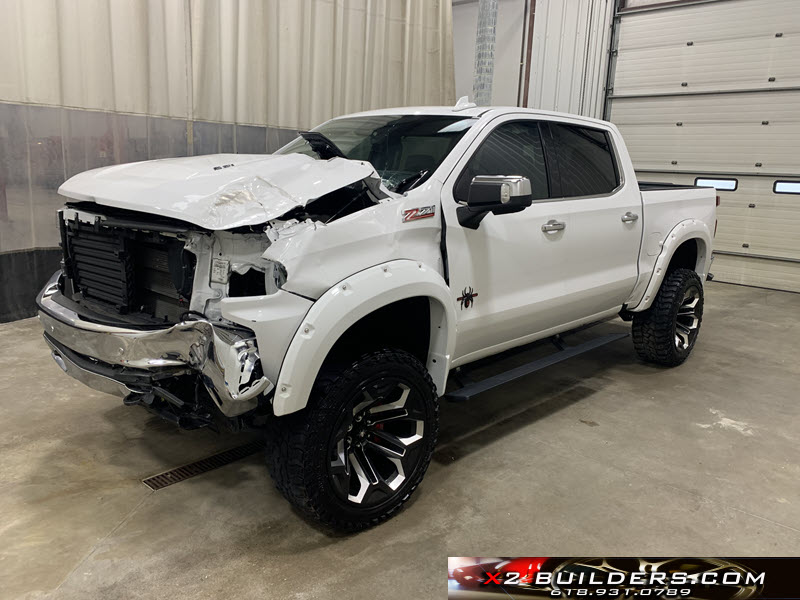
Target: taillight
715, 228
717, 200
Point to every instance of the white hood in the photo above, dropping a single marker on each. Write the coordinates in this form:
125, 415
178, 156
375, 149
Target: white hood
218, 191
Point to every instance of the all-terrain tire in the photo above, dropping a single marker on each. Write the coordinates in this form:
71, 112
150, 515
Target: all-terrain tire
659, 335
300, 445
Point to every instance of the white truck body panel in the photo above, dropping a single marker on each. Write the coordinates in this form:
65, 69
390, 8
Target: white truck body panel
537, 282
218, 191
666, 229
345, 304
372, 236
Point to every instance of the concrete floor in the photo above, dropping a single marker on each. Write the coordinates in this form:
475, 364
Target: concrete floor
598, 455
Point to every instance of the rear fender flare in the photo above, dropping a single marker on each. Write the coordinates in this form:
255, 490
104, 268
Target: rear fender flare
682, 232
349, 301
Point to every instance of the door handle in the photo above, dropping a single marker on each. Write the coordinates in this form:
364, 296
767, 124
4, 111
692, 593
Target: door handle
553, 225
629, 217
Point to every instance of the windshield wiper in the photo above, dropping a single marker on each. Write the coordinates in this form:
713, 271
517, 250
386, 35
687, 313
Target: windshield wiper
320, 144
410, 181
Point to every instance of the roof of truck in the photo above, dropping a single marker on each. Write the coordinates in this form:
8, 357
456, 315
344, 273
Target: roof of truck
470, 110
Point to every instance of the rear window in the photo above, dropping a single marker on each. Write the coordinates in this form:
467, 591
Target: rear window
586, 162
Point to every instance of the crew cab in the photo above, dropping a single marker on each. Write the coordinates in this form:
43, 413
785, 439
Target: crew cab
324, 293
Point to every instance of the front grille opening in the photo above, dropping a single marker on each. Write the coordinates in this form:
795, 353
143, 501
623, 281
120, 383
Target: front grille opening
251, 283
130, 271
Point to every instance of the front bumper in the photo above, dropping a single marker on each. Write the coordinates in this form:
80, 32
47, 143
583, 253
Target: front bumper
121, 361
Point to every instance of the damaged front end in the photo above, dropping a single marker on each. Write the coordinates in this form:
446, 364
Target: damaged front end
177, 304
181, 371
135, 313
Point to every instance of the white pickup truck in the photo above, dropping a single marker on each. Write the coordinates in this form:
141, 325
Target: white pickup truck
325, 292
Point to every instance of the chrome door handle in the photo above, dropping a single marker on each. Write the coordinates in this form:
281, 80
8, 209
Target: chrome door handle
629, 217
553, 225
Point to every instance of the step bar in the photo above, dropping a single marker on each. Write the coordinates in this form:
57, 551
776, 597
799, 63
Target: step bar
473, 388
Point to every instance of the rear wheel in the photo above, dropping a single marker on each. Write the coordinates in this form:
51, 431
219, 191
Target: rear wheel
362, 445
666, 332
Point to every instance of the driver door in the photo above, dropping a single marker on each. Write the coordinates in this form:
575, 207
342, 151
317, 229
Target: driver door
506, 275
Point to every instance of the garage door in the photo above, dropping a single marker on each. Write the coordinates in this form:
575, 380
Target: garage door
709, 92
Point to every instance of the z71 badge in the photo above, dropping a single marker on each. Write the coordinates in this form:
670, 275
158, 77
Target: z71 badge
415, 214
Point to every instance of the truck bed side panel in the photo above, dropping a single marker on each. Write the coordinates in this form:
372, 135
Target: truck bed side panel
664, 209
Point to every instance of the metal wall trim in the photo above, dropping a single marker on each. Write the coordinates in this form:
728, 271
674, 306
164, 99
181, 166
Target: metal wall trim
611, 70
759, 256
664, 6
720, 173
706, 93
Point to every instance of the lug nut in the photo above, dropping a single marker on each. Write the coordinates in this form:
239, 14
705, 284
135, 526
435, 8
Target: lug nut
358, 418
349, 428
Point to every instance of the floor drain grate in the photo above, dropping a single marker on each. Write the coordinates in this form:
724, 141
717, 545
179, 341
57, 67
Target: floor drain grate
173, 476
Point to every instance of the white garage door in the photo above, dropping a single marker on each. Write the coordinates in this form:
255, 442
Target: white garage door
710, 90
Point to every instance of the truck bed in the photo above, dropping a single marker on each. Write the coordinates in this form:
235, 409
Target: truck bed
649, 186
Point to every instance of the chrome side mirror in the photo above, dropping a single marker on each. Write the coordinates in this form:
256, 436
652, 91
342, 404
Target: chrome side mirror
496, 194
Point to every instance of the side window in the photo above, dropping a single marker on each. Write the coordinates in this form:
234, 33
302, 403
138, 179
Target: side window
586, 163
513, 148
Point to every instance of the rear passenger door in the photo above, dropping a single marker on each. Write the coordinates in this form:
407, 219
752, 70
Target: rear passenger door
600, 244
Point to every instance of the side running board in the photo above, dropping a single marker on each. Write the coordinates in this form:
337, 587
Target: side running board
563, 353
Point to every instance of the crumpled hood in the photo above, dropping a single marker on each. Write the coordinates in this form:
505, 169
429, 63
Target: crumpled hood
218, 191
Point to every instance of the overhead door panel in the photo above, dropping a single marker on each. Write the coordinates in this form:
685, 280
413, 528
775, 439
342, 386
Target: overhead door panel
778, 108
725, 20
723, 65
712, 89
736, 148
753, 220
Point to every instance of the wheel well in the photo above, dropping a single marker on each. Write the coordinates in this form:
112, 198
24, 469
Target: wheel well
402, 325
685, 256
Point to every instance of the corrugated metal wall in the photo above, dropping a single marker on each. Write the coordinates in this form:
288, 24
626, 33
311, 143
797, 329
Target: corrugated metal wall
569, 53
713, 90
90, 83
570, 56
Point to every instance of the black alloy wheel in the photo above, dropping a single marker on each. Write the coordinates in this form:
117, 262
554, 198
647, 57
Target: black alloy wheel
666, 332
360, 448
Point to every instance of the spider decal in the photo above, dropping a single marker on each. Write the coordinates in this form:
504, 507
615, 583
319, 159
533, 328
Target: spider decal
467, 297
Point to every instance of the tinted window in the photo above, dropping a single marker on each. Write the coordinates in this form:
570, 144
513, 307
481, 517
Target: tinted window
511, 149
585, 160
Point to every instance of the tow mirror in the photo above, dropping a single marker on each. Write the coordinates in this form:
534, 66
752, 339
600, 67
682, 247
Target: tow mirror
496, 194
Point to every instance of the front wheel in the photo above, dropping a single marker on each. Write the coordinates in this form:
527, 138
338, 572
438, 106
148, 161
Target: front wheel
666, 332
360, 448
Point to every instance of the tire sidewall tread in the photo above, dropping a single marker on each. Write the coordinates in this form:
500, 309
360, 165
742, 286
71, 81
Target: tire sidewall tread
653, 330
295, 442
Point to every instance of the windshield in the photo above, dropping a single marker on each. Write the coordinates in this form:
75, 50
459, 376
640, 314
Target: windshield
404, 149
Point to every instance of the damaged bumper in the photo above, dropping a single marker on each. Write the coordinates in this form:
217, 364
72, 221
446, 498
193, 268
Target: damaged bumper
123, 361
